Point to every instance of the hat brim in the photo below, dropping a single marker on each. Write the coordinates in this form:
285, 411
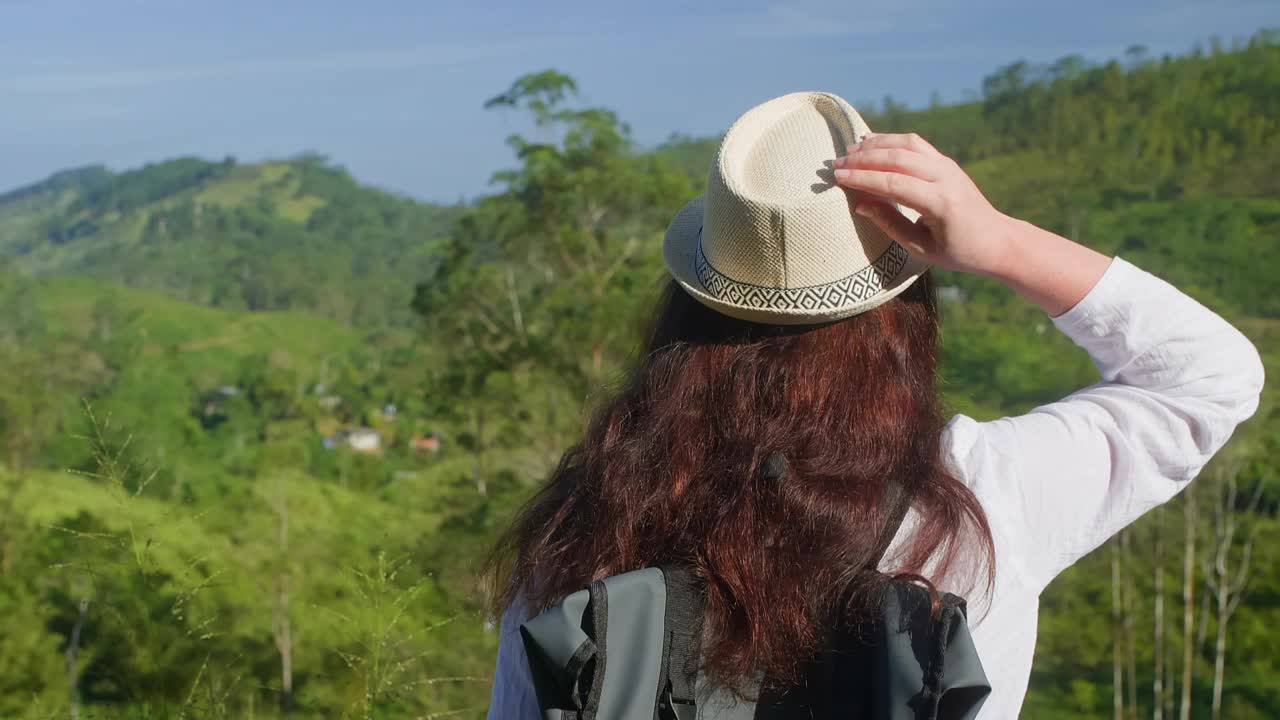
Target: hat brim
680, 253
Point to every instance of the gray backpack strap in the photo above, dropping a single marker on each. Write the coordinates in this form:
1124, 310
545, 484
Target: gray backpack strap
682, 646
954, 684
564, 646
590, 652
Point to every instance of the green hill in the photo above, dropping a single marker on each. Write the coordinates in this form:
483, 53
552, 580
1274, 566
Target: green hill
299, 234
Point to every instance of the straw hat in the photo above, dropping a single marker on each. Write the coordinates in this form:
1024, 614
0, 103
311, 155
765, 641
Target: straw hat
774, 239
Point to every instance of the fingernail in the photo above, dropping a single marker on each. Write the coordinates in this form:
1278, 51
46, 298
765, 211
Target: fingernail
842, 174
863, 210
837, 163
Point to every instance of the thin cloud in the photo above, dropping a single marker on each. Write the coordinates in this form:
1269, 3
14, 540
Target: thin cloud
811, 20
920, 30
83, 79
1175, 16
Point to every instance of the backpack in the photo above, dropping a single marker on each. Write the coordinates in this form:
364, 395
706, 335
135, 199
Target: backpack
627, 647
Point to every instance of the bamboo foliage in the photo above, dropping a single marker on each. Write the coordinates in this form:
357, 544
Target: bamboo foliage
1221, 569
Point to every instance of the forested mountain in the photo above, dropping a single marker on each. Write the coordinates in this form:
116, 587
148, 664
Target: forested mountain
259, 481
293, 235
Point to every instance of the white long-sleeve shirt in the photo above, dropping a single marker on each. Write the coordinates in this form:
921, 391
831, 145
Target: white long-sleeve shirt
1058, 481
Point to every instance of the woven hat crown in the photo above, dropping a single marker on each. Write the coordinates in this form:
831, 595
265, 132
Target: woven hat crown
774, 216
774, 239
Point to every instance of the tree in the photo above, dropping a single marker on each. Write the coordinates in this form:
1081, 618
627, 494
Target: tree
1131, 679
573, 215
1137, 56
1227, 568
1006, 81
1190, 519
281, 623
1117, 634
1158, 632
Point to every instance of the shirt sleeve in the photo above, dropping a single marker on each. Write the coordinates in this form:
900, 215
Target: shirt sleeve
1176, 381
513, 695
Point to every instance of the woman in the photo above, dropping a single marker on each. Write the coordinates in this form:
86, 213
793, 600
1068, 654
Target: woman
797, 329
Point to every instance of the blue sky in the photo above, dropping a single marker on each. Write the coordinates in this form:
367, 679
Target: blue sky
393, 89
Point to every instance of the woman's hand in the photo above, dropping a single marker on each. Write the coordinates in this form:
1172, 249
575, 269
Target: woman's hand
958, 228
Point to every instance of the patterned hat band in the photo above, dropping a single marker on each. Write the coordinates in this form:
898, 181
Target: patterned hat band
767, 223
847, 291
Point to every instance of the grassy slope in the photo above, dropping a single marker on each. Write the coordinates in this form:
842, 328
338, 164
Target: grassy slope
298, 234
20, 219
204, 337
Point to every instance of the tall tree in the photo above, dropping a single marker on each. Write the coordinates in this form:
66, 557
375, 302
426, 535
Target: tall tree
1190, 519
282, 623
1157, 592
1130, 589
1117, 633
1227, 569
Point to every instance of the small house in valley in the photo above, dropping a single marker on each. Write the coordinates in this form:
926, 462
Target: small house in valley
360, 439
952, 294
429, 443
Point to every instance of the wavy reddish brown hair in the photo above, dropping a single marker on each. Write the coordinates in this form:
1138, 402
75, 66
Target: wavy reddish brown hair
673, 470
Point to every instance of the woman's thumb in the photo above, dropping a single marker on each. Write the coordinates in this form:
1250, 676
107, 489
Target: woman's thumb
894, 224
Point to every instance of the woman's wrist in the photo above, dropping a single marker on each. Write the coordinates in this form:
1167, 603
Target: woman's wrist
1044, 267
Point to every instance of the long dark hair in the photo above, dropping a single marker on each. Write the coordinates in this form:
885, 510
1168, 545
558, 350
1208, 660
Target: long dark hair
682, 466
